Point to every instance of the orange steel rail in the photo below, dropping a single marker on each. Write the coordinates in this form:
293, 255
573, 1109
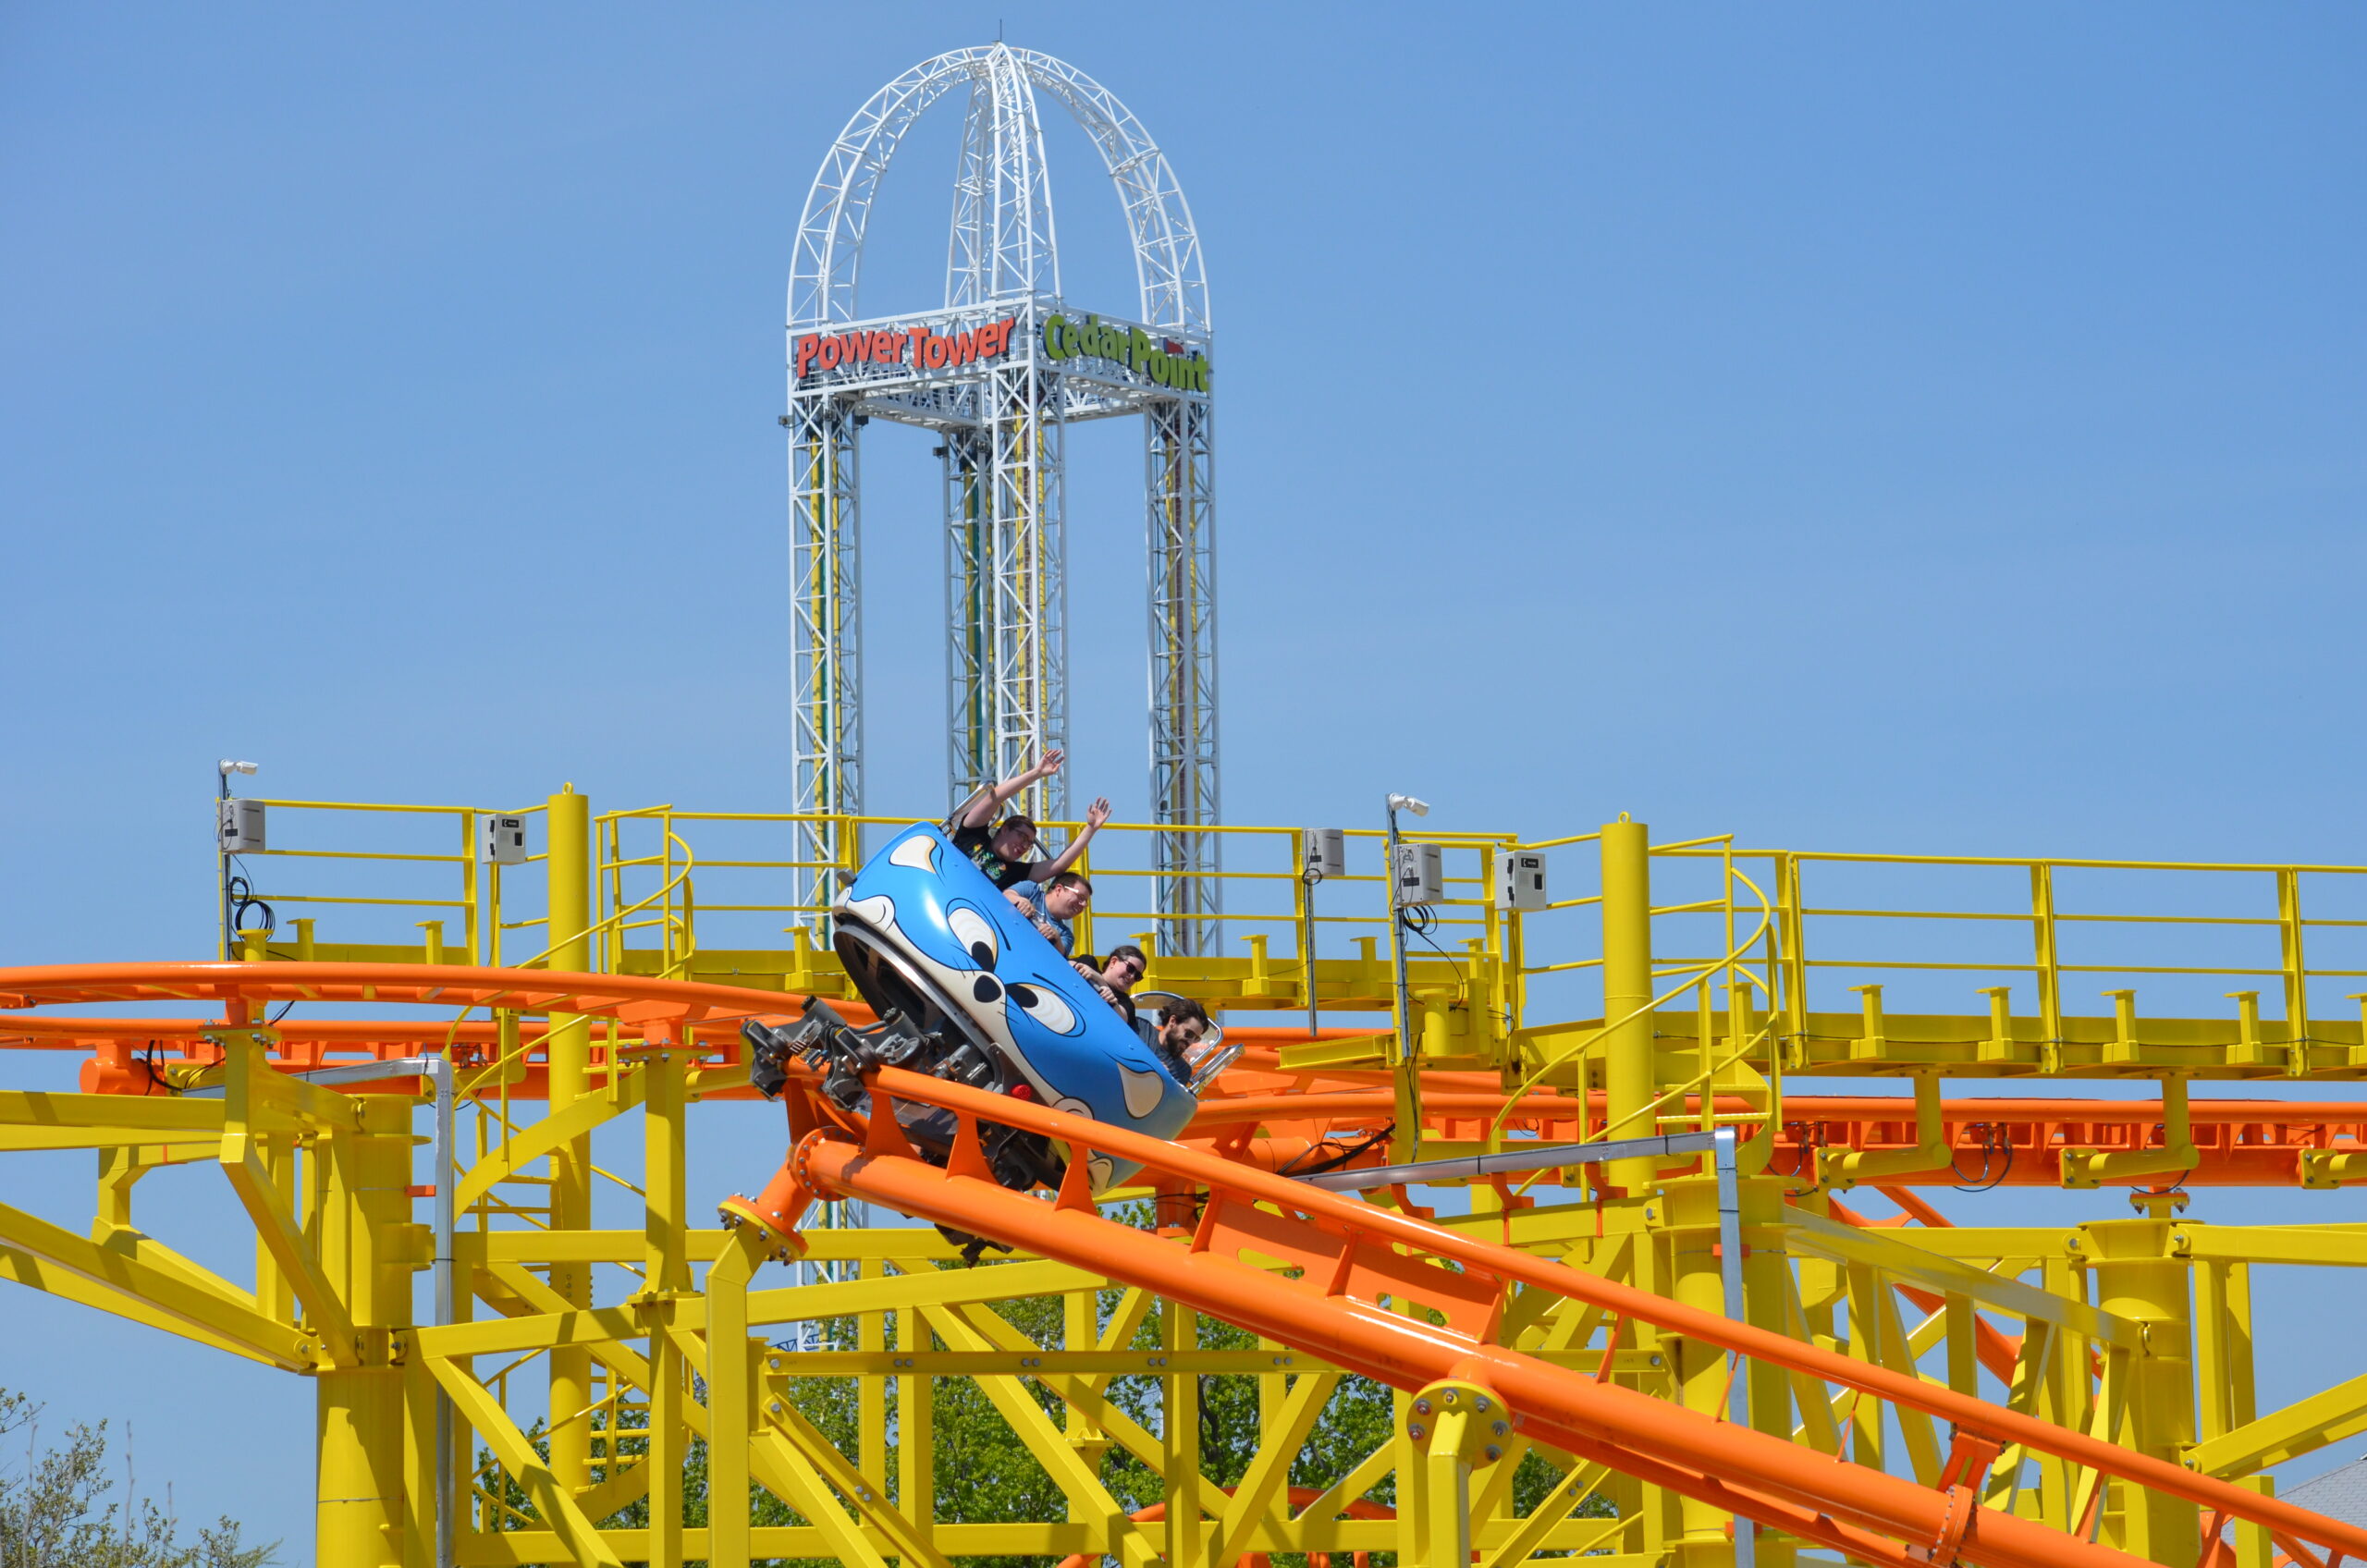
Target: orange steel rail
1993, 1141
1349, 1254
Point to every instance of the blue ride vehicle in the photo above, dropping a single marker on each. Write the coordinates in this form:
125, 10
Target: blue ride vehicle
968, 990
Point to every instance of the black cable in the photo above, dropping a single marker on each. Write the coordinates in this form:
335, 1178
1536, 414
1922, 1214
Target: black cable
157, 1079
1993, 1136
1291, 1166
1424, 929
242, 899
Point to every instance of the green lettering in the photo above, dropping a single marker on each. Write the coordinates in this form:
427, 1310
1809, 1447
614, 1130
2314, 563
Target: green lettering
1052, 349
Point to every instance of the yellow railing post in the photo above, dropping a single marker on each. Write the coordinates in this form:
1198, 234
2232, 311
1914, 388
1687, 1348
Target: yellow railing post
2050, 976
1627, 993
569, 869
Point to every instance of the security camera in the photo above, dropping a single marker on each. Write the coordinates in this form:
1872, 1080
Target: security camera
228, 767
1408, 803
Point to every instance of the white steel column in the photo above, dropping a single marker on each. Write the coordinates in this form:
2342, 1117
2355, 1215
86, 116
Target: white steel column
825, 635
1182, 550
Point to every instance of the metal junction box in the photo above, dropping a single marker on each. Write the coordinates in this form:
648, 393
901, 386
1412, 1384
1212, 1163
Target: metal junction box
505, 840
239, 831
1421, 878
1327, 851
1520, 880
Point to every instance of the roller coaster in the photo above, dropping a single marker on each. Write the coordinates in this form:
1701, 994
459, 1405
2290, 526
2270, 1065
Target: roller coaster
1561, 1191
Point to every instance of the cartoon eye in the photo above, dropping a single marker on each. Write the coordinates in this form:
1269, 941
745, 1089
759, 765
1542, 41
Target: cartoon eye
970, 929
1044, 1008
915, 854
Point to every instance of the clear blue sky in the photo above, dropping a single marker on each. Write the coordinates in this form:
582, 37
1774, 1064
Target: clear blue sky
1856, 426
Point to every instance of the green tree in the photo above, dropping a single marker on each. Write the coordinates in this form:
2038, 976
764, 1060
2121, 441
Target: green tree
61, 1508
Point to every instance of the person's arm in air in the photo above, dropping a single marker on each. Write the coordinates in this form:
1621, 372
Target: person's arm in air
1095, 815
980, 808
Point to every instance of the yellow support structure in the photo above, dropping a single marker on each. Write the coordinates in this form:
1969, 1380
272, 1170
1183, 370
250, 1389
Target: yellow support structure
639, 1341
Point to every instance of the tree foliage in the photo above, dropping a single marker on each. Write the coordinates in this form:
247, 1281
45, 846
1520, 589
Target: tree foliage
66, 1507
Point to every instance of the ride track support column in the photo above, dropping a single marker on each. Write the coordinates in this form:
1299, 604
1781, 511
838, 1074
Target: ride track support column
666, 1277
359, 1406
731, 1399
2137, 1277
1627, 995
568, 1052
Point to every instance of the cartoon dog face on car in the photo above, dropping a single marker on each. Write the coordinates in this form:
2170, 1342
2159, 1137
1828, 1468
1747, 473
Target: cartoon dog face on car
933, 917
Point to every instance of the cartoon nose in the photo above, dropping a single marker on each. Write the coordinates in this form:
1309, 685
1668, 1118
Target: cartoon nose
987, 989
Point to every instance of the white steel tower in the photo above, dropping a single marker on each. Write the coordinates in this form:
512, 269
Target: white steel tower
999, 373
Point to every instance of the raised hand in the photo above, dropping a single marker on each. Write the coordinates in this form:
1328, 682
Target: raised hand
1098, 812
1047, 764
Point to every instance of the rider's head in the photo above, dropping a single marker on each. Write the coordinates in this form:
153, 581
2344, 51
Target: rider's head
1014, 839
1183, 1025
1066, 895
1125, 966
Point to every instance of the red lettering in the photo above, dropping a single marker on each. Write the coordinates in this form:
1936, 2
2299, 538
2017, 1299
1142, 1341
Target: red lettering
897, 340
807, 347
935, 351
965, 348
829, 356
1000, 334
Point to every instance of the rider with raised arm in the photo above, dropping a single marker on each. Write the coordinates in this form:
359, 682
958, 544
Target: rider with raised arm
1006, 850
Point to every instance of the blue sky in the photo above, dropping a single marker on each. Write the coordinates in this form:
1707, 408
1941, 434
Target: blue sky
1852, 426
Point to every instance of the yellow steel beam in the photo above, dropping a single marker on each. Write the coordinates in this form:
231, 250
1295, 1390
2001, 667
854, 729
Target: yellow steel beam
118, 1274
1281, 1435
26, 1269
1847, 1243
2303, 1427
804, 1489
289, 1248
35, 1108
1033, 1362
865, 1493
520, 1548
994, 1329
2328, 1245
1079, 1482
550, 1135
475, 1405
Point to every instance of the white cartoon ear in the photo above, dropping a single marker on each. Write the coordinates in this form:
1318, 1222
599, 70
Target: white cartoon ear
915, 854
879, 911
1142, 1090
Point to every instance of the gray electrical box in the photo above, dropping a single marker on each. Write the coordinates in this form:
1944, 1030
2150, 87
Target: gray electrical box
1421, 878
1520, 880
239, 831
505, 840
1327, 851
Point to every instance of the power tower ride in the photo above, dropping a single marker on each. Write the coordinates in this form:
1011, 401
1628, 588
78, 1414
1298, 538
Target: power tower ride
999, 373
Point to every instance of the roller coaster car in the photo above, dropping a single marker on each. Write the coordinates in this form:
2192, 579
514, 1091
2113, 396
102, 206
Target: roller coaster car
966, 989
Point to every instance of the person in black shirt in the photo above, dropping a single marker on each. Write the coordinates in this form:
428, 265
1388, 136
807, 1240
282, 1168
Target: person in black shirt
1115, 977
1006, 850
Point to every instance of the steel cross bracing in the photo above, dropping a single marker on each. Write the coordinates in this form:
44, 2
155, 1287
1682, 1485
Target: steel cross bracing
1905, 1391
1002, 414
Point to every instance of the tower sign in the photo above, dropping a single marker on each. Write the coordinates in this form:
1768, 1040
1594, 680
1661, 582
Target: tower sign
999, 373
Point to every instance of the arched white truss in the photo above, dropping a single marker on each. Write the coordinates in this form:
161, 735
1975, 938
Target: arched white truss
1004, 468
